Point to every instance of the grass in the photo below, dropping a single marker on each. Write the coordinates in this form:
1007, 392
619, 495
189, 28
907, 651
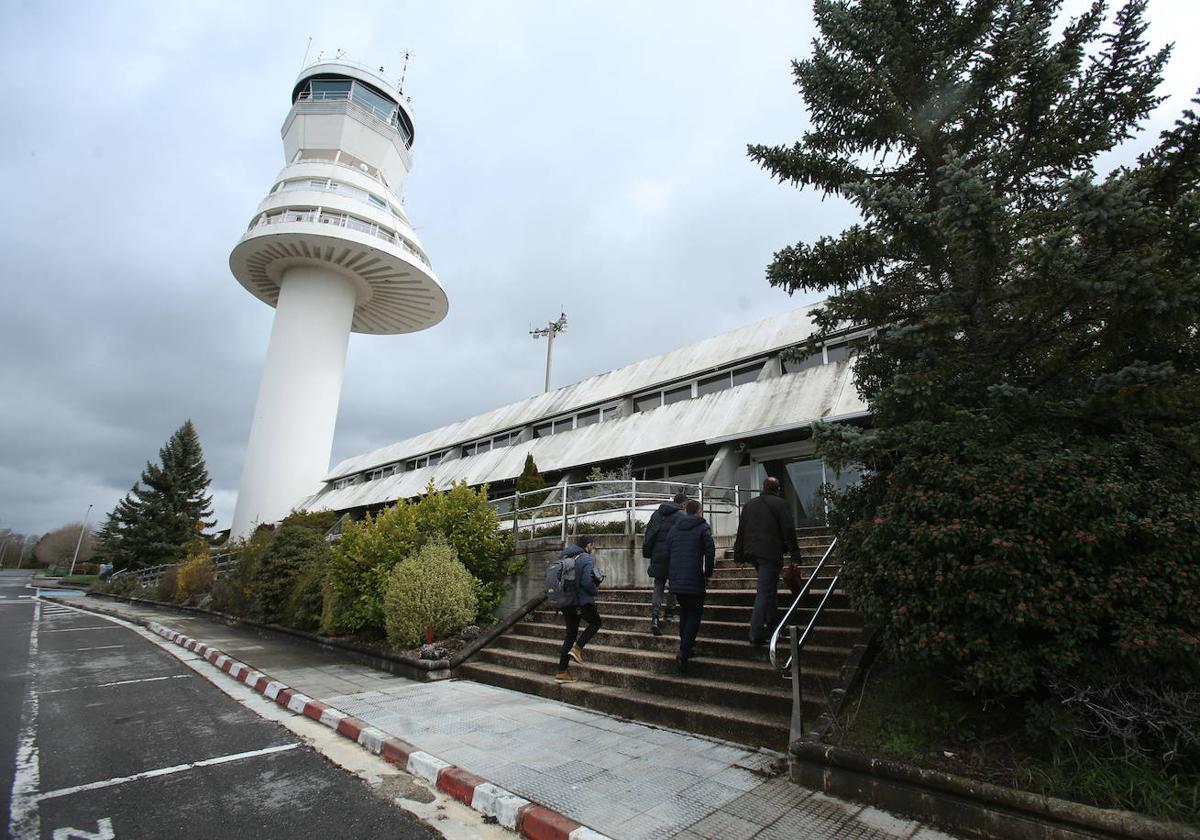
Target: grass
912, 714
79, 580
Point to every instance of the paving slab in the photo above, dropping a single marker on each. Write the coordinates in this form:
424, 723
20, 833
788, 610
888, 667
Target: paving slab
625, 779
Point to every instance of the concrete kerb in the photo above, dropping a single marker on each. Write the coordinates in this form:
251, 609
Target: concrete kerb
515, 813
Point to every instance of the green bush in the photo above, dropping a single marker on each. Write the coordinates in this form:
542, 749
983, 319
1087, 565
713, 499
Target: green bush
363, 558
295, 548
1007, 560
165, 588
430, 589
305, 599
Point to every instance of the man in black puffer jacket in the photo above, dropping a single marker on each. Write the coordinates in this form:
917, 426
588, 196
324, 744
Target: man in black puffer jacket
691, 558
766, 531
654, 549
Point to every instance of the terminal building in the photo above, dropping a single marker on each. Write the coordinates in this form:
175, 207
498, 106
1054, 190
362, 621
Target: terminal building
724, 413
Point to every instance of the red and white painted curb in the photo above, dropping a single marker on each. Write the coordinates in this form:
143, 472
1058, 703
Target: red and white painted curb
511, 811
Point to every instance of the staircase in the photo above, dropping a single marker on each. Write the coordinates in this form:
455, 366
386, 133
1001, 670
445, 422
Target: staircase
730, 692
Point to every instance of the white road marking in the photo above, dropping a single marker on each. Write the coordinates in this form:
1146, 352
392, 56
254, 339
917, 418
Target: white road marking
98, 647
78, 629
164, 771
119, 682
104, 831
24, 823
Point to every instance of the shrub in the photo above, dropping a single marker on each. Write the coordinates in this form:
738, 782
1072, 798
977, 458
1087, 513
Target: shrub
295, 547
305, 599
429, 589
1009, 559
195, 576
362, 560
164, 589
126, 585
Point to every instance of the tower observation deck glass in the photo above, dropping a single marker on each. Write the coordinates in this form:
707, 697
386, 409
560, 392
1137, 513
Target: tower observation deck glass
330, 89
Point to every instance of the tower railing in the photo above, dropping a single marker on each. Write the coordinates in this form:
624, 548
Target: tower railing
327, 217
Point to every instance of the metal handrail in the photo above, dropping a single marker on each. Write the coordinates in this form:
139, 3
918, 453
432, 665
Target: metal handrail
804, 590
629, 496
372, 173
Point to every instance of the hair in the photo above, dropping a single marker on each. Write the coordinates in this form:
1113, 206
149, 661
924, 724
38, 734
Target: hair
583, 541
680, 498
692, 507
771, 485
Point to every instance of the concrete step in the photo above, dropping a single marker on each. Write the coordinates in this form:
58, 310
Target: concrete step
719, 597
742, 726
833, 642
714, 626
773, 699
606, 650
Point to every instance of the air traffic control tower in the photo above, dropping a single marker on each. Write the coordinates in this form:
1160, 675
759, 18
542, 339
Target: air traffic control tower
332, 249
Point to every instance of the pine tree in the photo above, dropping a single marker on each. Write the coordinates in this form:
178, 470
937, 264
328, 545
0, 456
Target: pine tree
168, 507
1034, 378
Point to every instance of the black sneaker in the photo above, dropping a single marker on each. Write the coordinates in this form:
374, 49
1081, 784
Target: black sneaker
654, 628
681, 665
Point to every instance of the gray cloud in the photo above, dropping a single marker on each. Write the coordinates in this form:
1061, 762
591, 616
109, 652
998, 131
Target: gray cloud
584, 155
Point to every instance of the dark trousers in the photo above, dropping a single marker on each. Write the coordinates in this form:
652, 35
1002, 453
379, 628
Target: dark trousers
574, 637
765, 615
690, 609
656, 598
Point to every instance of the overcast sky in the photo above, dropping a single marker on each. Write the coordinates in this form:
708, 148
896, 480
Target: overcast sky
583, 155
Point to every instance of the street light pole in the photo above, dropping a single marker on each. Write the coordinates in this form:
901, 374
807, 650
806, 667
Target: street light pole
79, 542
549, 331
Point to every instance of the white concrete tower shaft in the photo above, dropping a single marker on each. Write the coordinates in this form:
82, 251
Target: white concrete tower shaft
332, 249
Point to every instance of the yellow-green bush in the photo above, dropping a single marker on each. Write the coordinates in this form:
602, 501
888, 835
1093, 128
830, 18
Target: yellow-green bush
360, 568
429, 589
195, 575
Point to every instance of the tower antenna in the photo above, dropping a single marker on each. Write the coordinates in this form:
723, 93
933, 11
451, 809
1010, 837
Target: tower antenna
403, 72
304, 63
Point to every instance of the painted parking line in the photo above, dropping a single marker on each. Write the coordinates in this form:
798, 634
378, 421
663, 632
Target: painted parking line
23, 819
163, 771
80, 629
80, 650
111, 684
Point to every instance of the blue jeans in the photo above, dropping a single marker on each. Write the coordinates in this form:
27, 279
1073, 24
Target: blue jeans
691, 607
765, 614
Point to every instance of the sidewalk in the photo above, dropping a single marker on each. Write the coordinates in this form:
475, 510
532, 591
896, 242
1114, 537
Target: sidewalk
623, 779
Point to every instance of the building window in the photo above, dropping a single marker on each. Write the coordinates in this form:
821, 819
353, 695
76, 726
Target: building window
646, 402
712, 384
687, 468
563, 425
679, 394
610, 413
795, 366
747, 374
377, 201
544, 430
587, 418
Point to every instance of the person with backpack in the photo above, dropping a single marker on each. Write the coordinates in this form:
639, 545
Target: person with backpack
654, 549
691, 558
571, 586
766, 531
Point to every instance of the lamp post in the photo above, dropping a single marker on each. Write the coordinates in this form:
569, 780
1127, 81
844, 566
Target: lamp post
548, 332
79, 542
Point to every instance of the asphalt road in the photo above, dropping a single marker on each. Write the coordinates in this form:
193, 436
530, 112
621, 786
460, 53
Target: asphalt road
104, 735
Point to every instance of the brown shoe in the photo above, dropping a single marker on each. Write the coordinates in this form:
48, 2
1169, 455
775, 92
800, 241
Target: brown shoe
564, 676
576, 653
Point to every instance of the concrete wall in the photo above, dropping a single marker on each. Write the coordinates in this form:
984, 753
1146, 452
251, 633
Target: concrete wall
619, 557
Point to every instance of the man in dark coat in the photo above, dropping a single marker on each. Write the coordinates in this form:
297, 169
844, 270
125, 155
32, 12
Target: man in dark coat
587, 579
691, 558
765, 532
654, 549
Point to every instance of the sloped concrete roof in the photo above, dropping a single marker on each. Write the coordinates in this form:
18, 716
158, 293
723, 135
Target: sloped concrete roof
747, 342
818, 392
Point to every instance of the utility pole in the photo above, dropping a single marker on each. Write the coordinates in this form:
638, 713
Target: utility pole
79, 542
548, 332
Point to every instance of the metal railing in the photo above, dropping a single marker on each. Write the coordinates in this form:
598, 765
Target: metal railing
797, 639
565, 507
149, 576
326, 217
371, 172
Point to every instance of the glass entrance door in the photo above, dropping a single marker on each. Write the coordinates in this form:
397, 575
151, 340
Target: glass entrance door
801, 480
